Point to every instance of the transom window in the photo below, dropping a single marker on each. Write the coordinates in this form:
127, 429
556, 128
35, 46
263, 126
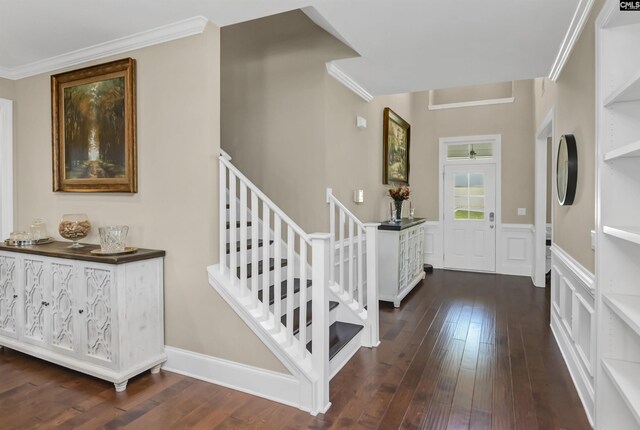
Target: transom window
470, 151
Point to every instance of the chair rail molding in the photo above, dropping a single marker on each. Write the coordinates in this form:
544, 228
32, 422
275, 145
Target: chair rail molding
166, 33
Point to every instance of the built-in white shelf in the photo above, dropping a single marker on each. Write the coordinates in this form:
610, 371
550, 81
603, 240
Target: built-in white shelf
625, 376
629, 233
627, 151
627, 307
628, 92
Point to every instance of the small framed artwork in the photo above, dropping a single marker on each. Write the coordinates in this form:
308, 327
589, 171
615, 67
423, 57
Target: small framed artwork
94, 128
396, 137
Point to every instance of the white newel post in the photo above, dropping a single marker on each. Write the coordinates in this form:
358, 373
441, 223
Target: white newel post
320, 326
372, 283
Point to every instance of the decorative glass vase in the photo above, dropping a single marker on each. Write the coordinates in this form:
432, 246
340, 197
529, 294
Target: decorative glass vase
74, 227
398, 206
113, 238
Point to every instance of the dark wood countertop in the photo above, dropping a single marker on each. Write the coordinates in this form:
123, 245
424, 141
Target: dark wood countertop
404, 223
62, 250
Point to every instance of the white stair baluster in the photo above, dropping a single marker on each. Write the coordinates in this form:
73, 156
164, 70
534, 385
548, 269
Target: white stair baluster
277, 274
243, 239
303, 298
351, 268
361, 256
233, 255
266, 227
291, 243
332, 242
255, 250
341, 263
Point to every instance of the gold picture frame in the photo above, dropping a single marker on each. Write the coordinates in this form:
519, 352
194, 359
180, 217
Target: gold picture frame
93, 114
396, 138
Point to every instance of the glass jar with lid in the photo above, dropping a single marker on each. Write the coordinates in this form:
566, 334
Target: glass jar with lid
38, 229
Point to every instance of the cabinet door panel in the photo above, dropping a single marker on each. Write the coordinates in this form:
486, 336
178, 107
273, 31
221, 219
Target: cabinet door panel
35, 301
8, 297
63, 306
99, 284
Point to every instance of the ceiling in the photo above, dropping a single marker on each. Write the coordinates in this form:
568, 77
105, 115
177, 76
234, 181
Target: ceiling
404, 45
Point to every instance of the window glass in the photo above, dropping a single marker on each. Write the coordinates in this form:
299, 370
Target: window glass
468, 196
476, 151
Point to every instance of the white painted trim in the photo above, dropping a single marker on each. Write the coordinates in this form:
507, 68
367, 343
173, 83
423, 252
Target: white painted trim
545, 130
156, 36
583, 274
573, 33
6, 168
585, 391
496, 139
472, 103
433, 249
340, 76
264, 383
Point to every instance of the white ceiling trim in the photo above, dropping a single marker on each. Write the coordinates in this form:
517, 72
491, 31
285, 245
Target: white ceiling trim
573, 33
165, 33
340, 76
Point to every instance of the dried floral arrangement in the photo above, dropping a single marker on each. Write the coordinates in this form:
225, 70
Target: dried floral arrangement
399, 192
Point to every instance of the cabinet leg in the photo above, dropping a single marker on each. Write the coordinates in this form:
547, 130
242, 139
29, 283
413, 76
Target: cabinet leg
121, 386
396, 303
156, 369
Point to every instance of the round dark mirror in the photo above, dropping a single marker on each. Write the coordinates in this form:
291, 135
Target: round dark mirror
567, 170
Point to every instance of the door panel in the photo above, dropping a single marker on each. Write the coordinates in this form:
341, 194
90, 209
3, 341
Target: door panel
63, 336
8, 297
469, 217
35, 302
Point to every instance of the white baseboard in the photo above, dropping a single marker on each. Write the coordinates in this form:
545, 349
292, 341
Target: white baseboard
248, 379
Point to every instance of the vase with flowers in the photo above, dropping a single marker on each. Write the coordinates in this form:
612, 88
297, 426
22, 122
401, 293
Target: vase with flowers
399, 193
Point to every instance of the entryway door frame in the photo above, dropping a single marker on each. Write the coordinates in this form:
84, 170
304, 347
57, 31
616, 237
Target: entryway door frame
496, 140
6, 167
544, 131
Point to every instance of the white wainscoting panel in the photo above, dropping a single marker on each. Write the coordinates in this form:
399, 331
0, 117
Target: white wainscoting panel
264, 383
433, 247
514, 249
573, 322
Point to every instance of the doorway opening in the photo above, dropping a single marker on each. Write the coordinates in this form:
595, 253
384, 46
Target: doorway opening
544, 177
470, 201
6, 167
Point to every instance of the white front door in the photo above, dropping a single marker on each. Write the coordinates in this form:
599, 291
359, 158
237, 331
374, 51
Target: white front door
469, 217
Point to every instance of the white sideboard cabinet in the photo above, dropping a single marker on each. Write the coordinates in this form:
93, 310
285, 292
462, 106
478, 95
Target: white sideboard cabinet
102, 316
400, 258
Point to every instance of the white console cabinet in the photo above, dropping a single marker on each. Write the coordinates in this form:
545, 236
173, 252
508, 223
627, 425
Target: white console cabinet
98, 315
400, 258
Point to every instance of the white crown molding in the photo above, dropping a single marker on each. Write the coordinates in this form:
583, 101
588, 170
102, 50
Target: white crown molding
165, 33
340, 76
471, 104
573, 33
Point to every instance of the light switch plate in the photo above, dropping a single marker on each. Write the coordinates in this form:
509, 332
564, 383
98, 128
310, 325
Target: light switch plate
358, 196
522, 211
361, 122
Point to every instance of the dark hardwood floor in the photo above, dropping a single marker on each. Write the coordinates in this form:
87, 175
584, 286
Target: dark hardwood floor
464, 351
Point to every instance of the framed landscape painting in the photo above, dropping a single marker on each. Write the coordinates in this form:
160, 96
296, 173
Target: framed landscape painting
94, 128
396, 136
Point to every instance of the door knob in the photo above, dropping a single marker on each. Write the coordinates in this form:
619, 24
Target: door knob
492, 216
15, 296
80, 311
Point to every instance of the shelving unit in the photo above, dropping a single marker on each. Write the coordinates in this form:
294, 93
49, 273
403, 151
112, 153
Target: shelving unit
617, 386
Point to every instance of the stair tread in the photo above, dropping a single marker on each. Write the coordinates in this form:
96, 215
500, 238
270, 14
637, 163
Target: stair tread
340, 333
249, 245
283, 290
238, 224
283, 263
296, 316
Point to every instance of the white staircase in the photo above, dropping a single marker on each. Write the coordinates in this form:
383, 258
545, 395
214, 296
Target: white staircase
279, 280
